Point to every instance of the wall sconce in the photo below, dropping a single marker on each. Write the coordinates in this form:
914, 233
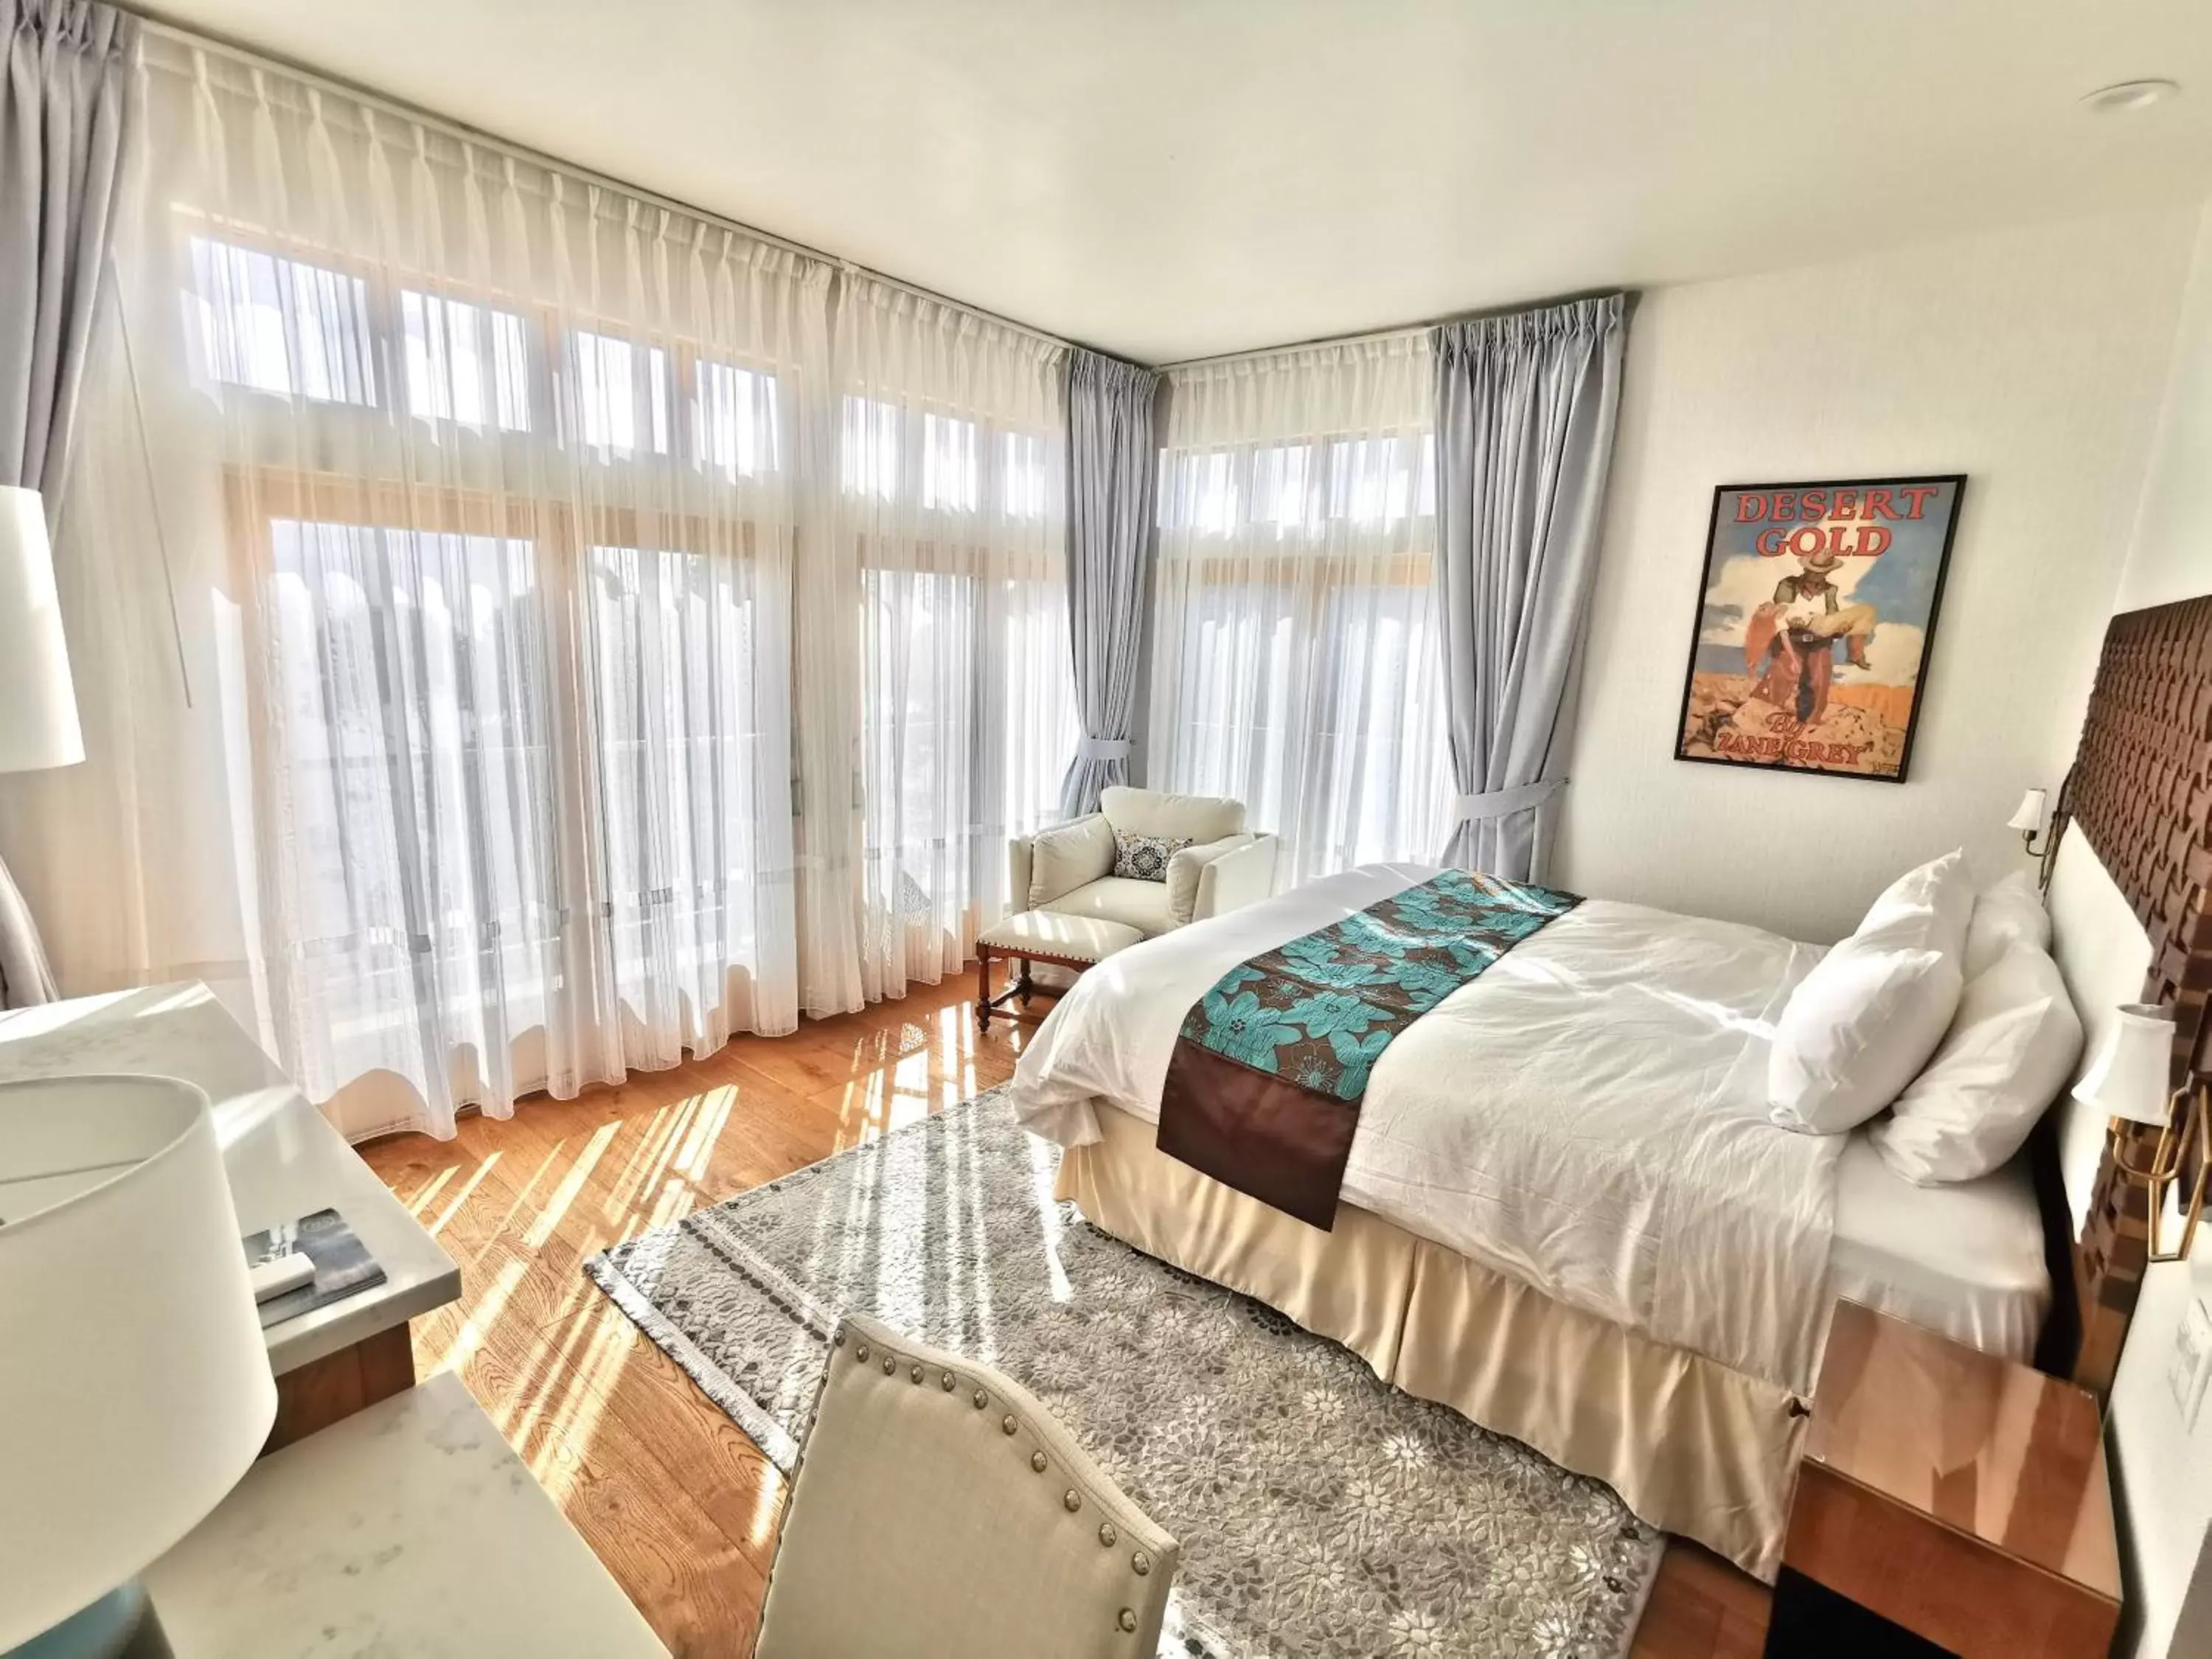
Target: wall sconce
2127, 1081
2028, 819
2033, 817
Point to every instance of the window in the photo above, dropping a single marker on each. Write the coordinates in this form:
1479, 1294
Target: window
412, 707
1198, 491
467, 363
1380, 480
620, 394
920, 714
950, 472
275, 324
868, 448
733, 420
677, 732
876, 439
1371, 482
1025, 485
1296, 658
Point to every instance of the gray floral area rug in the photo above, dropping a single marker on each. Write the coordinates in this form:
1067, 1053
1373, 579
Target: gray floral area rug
1322, 1514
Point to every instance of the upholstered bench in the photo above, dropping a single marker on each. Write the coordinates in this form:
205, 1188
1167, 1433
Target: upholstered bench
1066, 941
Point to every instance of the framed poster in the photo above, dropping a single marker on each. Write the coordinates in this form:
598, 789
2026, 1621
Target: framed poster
1816, 617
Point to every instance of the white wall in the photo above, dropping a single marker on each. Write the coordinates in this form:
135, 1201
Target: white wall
2034, 361
2164, 1468
2171, 558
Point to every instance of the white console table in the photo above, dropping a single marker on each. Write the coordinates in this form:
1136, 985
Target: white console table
410, 1527
284, 1161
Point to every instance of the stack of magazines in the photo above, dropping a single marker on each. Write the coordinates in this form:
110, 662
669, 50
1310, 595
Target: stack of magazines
341, 1262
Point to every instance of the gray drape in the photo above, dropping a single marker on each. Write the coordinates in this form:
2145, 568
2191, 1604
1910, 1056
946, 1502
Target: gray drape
1110, 461
66, 103
1525, 409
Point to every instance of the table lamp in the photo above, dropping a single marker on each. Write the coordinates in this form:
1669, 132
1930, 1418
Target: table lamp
2127, 1080
38, 713
135, 1389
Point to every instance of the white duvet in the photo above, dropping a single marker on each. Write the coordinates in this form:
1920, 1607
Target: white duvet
1588, 1116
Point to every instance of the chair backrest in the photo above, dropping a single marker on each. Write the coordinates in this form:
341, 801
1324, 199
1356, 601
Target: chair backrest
1176, 817
940, 1513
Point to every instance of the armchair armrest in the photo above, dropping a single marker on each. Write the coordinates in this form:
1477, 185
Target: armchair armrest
1221, 875
1058, 860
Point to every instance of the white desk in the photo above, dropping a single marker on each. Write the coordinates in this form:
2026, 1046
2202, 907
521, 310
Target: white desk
284, 1159
412, 1528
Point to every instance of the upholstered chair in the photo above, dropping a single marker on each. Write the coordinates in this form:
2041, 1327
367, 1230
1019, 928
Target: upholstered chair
1212, 862
940, 1513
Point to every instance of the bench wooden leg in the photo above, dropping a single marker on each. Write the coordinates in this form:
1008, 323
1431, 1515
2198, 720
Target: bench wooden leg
983, 990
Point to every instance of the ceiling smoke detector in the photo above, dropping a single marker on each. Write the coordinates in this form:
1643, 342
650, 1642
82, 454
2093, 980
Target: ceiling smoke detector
2130, 95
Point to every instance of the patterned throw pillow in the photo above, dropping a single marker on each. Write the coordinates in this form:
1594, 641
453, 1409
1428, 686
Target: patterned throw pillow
1144, 858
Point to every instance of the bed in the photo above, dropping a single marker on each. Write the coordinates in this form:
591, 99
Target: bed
1565, 1212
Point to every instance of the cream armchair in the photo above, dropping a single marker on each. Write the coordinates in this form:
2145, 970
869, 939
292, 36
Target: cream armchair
1069, 869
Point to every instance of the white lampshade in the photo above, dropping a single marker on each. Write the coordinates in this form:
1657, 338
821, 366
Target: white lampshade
38, 704
2029, 816
134, 1382
2127, 1074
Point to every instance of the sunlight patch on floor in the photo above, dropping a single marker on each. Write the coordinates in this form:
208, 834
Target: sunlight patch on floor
484, 1314
644, 1159
461, 1197
571, 1184
421, 1201
710, 1111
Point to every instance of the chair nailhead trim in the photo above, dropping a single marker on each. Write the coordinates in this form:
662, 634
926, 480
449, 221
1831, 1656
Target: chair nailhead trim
948, 1381
1037, 1461
1141, 1562
1073, 1500
860, 1353
1107, 1534
1008, 1425
838, 1338
916, 1374
889, 1365
981, 1400
1128, 1618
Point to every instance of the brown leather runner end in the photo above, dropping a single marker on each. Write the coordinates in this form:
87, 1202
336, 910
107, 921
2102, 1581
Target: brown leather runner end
1266, 1138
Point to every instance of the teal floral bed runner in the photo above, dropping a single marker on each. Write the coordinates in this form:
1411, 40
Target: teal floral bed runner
1264, 1089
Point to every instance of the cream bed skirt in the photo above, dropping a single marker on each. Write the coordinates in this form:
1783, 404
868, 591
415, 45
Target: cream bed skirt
1692, 1446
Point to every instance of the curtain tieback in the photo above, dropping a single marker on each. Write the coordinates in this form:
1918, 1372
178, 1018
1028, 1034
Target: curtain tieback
1504, 803
1102, 748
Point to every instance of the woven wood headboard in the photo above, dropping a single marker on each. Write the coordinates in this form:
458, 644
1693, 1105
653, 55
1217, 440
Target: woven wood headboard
2140, 790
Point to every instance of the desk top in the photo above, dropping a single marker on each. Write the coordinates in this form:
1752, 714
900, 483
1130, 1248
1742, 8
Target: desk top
410, 1527
1987, 1447
283, 1158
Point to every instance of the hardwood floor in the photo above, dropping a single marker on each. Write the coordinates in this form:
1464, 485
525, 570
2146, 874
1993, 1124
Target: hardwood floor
676, 1502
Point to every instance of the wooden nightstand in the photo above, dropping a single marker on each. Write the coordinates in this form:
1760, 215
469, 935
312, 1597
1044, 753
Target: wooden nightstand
1948, 1501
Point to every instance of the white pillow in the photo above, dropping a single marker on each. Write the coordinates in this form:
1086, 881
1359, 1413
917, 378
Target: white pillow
1872, 1011
1926, 908
2011, 913
1855, 1030
2006, 1057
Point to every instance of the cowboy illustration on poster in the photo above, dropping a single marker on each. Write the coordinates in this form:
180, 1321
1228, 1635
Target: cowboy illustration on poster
1814, 623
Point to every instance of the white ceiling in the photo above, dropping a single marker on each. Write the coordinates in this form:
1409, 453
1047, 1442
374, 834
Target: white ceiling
1171, 177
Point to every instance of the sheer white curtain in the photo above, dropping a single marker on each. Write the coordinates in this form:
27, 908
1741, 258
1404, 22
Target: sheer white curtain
957, 711
1295, 652
527, 633
477, 484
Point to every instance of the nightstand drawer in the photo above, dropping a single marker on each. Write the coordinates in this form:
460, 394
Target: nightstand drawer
1965, 1595
1954, 1499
